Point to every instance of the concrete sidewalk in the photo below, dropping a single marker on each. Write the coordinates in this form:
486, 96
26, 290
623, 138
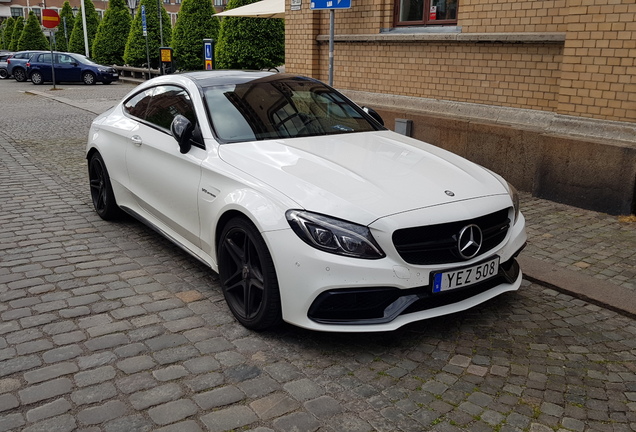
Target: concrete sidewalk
586, 254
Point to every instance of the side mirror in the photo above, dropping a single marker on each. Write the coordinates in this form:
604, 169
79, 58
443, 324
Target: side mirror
182, 129
373, 114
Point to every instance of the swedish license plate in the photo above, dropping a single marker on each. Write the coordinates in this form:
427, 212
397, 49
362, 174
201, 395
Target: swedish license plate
446, 281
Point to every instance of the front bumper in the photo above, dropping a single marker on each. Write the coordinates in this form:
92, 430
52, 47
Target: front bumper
326, 292
368, 306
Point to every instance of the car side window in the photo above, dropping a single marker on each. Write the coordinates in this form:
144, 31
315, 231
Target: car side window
159, 105
65, 59
44, 58
166, 103
137, 105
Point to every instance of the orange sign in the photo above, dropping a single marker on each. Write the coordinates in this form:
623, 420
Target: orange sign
166, 54
50, 18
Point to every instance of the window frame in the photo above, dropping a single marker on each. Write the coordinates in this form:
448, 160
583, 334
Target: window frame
426, 21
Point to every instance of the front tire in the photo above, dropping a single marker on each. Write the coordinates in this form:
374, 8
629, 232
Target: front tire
19, 74
101, 189
36, 78
88, 78
248, 277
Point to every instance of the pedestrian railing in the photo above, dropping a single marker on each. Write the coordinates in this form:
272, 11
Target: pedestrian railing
136, 73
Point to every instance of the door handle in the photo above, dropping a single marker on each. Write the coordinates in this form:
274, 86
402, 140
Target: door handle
136, 139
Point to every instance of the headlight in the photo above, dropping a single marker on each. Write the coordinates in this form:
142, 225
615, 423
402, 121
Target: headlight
334, 235
514, 196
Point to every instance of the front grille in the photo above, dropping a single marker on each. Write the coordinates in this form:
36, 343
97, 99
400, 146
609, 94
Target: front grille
437, 244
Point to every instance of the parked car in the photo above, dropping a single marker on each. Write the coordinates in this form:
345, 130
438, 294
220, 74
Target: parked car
307, 207
16, 64
69, 67
4, 55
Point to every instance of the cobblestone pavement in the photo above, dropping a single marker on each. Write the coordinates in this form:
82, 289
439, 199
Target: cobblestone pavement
109, 327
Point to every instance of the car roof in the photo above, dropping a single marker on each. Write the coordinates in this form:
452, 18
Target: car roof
225, 77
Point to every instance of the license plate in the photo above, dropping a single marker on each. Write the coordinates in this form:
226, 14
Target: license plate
446, 281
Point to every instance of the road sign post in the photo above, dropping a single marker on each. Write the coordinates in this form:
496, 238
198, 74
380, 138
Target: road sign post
145, 31
50, 20
331, 5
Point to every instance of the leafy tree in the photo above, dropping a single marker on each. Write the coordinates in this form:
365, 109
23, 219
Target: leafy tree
7, 30
76, 41
62, 37
32, 37
250, 43
135, 53
7, 34
112, 33
196, 21
17, 32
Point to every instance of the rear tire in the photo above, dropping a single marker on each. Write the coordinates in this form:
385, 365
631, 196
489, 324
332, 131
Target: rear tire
3, 73
101, 189
248, 276
36, 78
19, 74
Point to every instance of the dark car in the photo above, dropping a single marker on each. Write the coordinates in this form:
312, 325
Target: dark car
69, 67
16, 64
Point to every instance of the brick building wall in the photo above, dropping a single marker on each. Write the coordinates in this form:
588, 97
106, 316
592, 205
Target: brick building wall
572, 57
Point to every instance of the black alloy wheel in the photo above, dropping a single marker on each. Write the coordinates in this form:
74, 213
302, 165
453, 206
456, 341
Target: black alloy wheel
248, 276
19, 74
3, 73
101, 189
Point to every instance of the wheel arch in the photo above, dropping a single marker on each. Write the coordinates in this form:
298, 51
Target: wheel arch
222, 222
91, 151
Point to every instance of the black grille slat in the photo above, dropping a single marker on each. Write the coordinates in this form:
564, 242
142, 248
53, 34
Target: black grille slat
437, 244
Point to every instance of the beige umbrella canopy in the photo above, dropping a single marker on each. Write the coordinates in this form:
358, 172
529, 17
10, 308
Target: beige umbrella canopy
259, 9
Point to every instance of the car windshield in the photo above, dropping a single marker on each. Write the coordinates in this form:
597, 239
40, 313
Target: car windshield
275, 107
84, 59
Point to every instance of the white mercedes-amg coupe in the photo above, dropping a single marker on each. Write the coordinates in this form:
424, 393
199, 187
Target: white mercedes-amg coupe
308, 208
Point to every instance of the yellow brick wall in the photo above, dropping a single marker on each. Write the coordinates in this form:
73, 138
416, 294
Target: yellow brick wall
499, 16
506, 75
591, 74
598, 76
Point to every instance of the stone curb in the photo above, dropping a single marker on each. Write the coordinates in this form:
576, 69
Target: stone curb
584, 287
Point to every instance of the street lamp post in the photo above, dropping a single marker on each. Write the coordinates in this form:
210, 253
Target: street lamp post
132, 4
160, 24
88, 53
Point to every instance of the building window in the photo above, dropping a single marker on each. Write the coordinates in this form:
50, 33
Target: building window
219, 3
38, 13
426, 12
17, 12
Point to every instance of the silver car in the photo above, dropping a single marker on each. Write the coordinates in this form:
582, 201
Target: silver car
4, 55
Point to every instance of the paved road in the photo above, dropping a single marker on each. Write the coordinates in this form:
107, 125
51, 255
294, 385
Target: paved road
108, 327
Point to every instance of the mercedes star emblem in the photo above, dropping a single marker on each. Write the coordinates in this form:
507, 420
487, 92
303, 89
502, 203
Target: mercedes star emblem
469, 241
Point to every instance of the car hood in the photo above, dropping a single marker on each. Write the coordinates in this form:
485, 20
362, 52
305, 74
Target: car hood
362, 177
